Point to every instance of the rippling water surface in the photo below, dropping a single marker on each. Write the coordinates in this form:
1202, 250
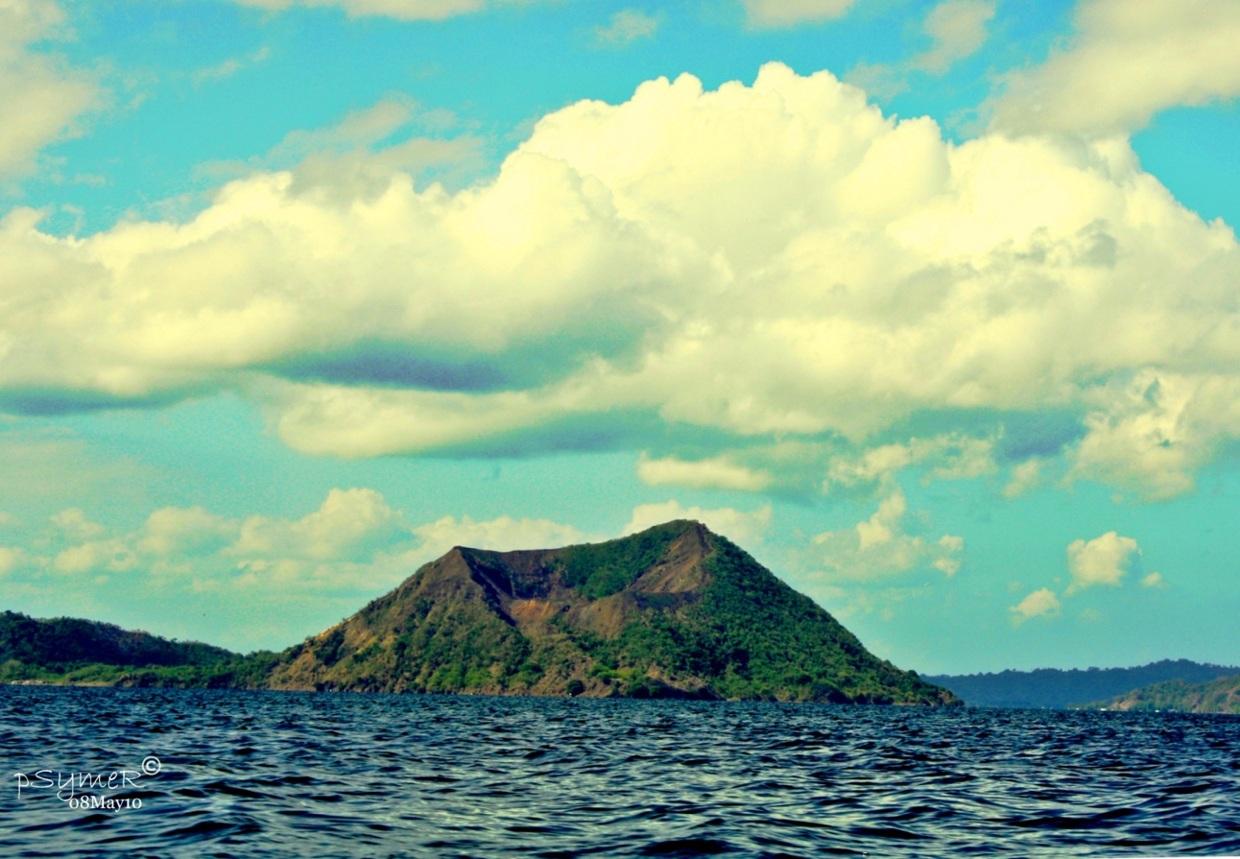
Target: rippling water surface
256, 773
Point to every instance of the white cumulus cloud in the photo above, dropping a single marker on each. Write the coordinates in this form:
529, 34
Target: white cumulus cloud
1039, 603
954, 456
852, 273
880, 547
112, 555
180, 531
348, 522
1104, 560
1152, 432
76, 525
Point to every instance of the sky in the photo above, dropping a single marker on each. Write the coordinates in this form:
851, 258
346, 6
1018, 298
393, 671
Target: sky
934, 308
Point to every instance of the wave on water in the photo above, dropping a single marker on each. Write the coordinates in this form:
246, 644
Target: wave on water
278, 774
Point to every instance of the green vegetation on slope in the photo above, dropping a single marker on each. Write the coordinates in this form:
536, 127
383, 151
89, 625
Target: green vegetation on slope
434, 633
240, 672
752, 636
603, 569
1057, 688
1221, 695
65, 640
673, 611
70, 650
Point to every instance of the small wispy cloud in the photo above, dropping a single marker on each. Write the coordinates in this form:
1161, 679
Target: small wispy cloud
626, 27
957, 30
395, 134
1153, 580
400, 10
714, 473
773, 14
229, 67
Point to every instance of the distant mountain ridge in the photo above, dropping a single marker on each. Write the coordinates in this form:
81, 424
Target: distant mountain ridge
1221, 695
1057, 688
674, 611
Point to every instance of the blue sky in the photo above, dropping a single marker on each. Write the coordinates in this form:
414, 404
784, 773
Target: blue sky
933, 307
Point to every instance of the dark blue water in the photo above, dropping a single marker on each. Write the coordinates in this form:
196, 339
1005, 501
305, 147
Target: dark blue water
340, 774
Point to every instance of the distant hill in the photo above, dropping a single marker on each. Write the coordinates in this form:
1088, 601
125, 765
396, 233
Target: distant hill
673, 611
1056, 688
72, 650
1215, 696
67, 641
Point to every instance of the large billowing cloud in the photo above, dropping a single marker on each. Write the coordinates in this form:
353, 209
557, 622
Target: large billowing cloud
42, 94
757, 277
1127, 61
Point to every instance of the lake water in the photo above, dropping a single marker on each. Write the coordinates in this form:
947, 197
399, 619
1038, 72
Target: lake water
258, 773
